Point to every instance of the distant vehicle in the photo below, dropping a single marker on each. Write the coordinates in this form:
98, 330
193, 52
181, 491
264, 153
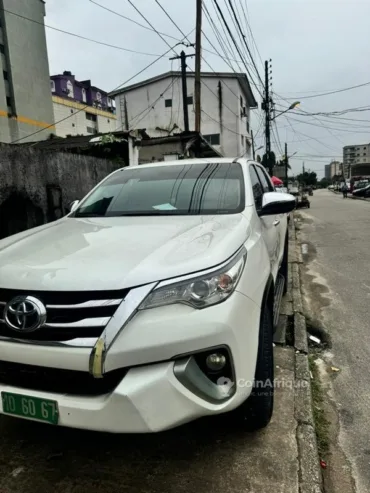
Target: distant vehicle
293, 190
362, 192
281, 189
331, 187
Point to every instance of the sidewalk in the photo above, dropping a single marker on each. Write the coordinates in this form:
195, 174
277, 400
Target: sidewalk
199, 457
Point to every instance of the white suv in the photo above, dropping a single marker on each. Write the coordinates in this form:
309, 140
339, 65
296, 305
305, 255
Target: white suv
151, 304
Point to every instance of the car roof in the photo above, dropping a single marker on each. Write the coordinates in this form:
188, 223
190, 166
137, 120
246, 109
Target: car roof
186, 162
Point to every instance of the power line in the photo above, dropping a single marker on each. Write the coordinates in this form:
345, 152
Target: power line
236, 45
245, 42
176, 25
142, 25
227, 43
79, 35
332, 92
87, 106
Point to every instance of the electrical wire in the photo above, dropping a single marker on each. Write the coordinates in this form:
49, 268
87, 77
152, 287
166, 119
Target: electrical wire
176, 25
333, 92
245, 42
236, 46
142, 25
79, 35
87, 106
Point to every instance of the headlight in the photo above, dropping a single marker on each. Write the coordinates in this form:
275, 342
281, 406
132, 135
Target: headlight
199, 291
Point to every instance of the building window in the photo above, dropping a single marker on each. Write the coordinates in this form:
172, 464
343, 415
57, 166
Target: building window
73, 125
9, 101
241, 101
52, 86
247, 125
84, 95
2, 49
70, 90
365, 148
213, 139
5, 75
242, 139
168, 103
364, 153
91, 130
98, 96
71, 111
189, 99
90, 117
108, 120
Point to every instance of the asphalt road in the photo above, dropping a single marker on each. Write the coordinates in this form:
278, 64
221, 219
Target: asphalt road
337, 291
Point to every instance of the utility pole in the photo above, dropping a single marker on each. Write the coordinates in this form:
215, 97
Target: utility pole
286, 164
183, 58
253, 151
303, 167
266, 106
198, 56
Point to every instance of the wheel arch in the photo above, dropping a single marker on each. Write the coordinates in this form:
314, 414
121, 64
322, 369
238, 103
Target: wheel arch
268, 294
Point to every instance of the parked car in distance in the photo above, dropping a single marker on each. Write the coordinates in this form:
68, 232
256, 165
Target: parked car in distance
151, 304
362, 192
281, 189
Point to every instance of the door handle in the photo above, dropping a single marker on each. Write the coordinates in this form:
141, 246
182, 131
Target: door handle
276, 222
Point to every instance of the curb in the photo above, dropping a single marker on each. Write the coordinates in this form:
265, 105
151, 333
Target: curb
309, 471
352, 197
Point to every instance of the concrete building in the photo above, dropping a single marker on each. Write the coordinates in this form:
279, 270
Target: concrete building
80, 107
357, 158
327, 171
156, 104
336, 168
25, 101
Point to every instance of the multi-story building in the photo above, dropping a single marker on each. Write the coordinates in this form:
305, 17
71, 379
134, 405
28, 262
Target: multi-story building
81, 108
156, 104
357, 158
336, 169
327, 171
25, 101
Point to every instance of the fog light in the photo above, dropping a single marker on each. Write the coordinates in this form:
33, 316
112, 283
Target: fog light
215, 361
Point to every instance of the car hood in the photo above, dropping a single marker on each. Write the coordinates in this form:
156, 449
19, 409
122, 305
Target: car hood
117, 252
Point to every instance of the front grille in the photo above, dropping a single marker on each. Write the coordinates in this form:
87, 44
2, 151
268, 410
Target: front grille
70, 314
58, 381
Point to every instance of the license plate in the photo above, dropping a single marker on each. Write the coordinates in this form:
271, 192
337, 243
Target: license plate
30, 407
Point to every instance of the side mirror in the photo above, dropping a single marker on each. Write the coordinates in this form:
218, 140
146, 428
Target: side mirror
277, 203
73, 206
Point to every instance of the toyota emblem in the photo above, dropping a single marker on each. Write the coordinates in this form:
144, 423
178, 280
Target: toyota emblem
25, 314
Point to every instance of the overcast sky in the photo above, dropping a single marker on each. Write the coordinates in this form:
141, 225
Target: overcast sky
315, 46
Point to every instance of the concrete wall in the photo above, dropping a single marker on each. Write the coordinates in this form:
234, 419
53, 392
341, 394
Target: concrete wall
27, 67
78, 124
36, 186
221, 111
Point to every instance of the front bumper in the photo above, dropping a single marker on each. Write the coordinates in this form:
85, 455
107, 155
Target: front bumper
150, 397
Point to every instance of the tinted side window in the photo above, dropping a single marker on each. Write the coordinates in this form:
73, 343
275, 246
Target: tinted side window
265, 180
256, 187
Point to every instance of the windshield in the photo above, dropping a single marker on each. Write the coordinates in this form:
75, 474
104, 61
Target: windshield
210, 188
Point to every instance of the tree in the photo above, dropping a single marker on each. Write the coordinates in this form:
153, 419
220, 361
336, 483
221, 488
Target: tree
324, 183
308, 178
269, 160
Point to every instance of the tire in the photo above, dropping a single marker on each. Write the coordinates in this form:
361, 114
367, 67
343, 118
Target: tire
256, 412
284, 266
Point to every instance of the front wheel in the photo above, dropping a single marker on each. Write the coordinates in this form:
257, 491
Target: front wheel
256, 412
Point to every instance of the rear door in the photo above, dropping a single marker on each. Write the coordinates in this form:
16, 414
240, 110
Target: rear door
271, 225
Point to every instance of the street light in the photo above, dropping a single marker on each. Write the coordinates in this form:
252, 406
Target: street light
291, 107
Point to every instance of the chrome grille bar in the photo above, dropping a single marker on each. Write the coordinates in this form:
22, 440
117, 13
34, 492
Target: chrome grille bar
86, 322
